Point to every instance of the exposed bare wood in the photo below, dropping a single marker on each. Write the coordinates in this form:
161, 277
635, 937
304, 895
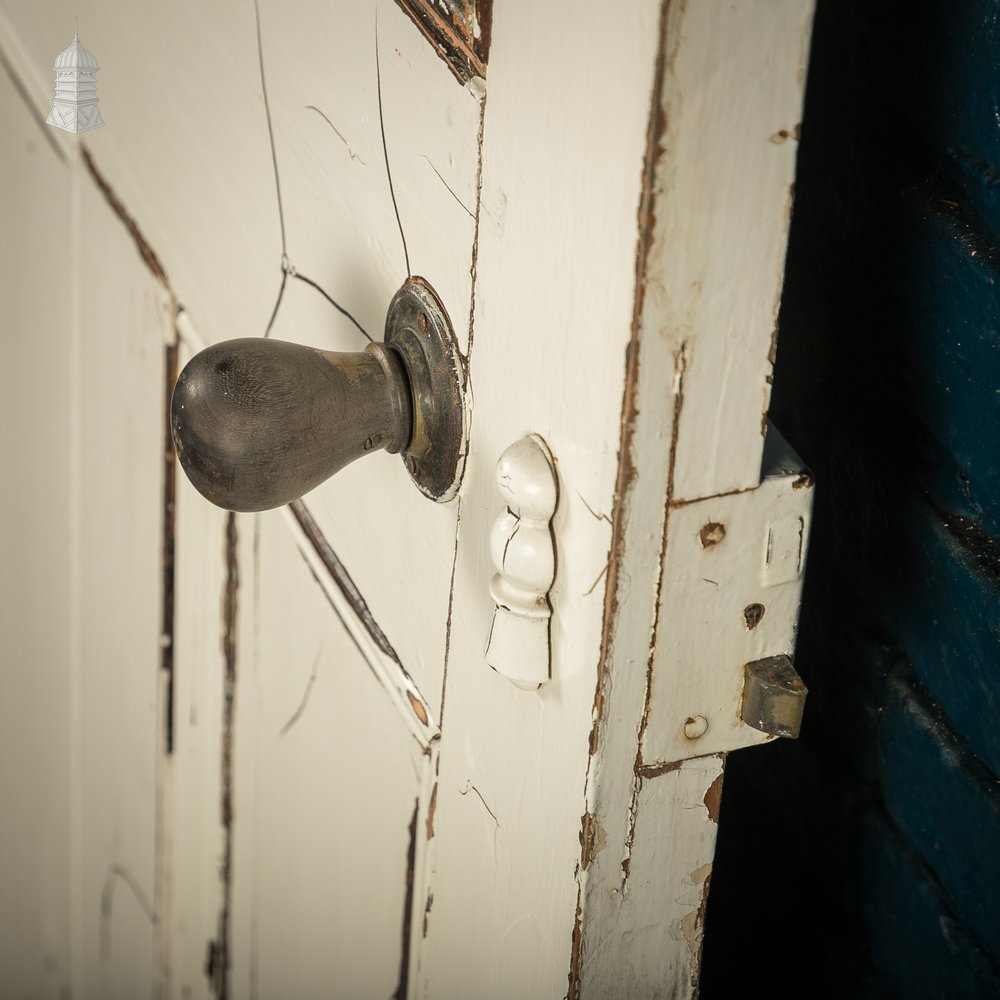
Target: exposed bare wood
218, 959
459, 30
168, 540
402, 987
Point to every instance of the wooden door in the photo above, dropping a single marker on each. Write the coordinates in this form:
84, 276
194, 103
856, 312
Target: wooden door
267, 756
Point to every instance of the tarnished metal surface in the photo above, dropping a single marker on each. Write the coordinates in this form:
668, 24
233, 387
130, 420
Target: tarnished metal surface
418, 329
774, 696
259, 422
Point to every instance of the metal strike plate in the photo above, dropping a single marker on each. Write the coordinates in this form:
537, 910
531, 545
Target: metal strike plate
732, 584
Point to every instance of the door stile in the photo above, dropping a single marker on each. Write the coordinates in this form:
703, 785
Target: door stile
713, 223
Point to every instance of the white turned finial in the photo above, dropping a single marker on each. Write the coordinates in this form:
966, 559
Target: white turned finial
523, 554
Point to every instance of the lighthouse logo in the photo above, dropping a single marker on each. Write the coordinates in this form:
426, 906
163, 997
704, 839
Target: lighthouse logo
75, 105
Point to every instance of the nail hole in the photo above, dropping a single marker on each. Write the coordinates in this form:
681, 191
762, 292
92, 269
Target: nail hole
753, 613
422, 322
695, 727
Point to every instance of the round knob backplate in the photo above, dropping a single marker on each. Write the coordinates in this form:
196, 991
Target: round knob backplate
417, 327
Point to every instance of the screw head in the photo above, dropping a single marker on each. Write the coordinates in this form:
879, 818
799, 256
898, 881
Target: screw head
695, 727
752, 615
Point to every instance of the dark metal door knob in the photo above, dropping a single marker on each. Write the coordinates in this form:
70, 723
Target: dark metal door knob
258, 422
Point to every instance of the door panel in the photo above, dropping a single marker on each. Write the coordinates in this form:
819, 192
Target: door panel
117, 428
192, 836
342, 231
396, 545
325, 781
35, 589
82, 578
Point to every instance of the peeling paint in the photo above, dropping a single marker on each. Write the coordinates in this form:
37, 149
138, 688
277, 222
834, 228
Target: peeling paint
418, 708
593, 839
461, 40
675, 504
783, 134
575, 952
680, 368
626, 466
677, 446
626, 471
448, 620
218, 958
147, 253
427, 912
383, 663
645, 771
431, 810
168, 543
474, 259
402, 987
711, 534
692, 924
633, 812
338, 572
713, 798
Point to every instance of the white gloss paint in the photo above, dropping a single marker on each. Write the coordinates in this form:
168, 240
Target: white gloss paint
346, 762
525, 561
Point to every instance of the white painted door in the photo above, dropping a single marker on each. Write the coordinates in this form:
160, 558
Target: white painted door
264, 755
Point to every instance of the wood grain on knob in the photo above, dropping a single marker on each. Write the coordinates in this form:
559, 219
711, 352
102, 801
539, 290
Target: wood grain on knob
258, 423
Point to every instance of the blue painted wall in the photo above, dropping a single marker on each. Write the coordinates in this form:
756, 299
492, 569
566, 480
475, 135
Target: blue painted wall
864, 860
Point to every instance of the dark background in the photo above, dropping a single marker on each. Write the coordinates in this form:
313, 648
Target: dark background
864, 859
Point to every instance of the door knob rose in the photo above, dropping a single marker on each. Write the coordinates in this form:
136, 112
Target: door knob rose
258, 422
